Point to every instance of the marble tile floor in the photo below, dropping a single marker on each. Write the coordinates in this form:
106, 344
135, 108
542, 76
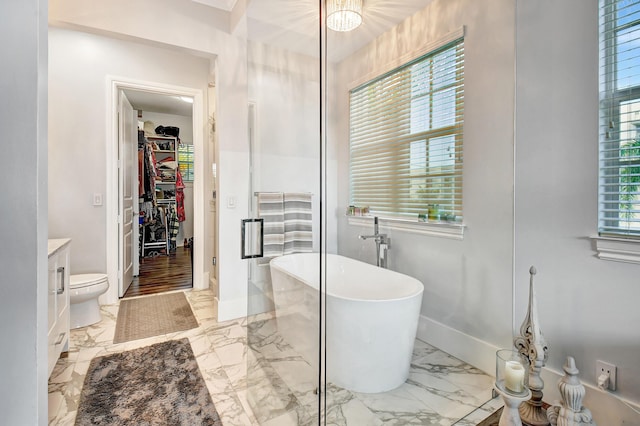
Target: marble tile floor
441, 390
220, 350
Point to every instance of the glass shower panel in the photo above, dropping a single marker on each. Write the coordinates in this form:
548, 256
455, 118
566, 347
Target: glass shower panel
283, 322
403, 288
341, 308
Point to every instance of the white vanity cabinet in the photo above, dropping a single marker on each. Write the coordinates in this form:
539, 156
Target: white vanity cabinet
58, 300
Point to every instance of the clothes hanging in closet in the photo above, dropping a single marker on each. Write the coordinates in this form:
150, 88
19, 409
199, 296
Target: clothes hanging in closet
156, 225
180, 197
149, 174
174, 226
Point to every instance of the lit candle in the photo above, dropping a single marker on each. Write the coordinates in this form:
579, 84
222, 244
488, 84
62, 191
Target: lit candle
514, 376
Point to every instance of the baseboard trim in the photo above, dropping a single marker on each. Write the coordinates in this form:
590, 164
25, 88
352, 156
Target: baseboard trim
469, 349
605, 407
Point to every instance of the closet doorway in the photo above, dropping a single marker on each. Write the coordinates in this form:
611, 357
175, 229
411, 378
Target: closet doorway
163, 243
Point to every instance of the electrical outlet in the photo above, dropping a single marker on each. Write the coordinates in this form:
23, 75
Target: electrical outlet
606, 368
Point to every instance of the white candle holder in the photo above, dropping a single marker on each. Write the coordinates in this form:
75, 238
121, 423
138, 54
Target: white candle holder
533, 346
512, 373
512, 383
510, 415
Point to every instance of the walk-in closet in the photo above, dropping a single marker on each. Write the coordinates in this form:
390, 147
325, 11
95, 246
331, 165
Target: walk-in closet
164, 169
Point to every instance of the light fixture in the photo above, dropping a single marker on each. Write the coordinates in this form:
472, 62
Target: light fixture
344, 15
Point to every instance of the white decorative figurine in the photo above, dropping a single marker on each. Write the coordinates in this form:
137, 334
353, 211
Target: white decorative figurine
570, 411
532, 345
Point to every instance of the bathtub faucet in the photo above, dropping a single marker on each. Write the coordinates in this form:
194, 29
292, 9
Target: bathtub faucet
383, 244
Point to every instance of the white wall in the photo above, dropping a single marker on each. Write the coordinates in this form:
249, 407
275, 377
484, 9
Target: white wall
232, 172
185, 124
588, 307
468, 282
535, 203
79, 65
23, 253
203, 31
285, 88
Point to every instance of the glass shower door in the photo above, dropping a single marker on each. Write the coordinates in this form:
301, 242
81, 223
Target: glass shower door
283, 321
319, 351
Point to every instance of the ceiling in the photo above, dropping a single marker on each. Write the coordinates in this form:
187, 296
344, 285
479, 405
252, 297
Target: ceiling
293, 25
153, 102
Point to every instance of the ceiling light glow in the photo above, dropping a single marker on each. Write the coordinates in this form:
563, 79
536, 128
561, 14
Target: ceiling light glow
344, 15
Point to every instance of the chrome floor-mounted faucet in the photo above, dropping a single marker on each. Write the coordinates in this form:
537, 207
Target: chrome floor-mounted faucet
383, 244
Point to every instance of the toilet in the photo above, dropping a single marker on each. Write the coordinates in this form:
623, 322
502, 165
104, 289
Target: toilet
84, 292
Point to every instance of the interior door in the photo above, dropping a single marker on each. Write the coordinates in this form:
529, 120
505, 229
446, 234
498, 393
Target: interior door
136, 207
127, 143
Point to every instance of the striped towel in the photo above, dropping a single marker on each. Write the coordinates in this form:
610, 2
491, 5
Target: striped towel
298, 236
271, 209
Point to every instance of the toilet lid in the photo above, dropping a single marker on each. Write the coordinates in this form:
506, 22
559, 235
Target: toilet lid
84, 280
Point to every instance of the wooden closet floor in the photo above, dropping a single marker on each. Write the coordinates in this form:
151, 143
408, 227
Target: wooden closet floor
162, 273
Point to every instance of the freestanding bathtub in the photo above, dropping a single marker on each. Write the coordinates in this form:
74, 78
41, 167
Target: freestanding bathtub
371, 318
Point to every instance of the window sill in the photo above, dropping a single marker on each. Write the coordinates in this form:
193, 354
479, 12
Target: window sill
434, 229
617, 249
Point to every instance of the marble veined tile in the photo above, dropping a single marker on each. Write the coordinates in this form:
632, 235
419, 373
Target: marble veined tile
226, 333
242, 396
230, 410
287, 419
443, 398
255, 377
357, 413
396, 400
481, 413
62, 371
421, 349
64, 418
200, 344
56, 399
263, 336
96, 340
297, 374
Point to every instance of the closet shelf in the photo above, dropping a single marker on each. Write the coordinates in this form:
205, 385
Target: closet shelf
156, 233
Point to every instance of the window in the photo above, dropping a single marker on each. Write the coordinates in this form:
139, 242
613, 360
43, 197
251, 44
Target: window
619, 189
406, 137
185, 161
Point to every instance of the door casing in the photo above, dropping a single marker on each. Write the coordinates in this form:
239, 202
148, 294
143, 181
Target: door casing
114, 85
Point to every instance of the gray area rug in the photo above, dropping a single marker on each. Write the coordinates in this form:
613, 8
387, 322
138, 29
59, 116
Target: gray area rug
155, 385
150, 316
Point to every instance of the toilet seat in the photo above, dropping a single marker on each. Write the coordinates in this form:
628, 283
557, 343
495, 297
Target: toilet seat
86, 280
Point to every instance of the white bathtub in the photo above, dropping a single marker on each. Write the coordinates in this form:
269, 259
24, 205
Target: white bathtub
371, 318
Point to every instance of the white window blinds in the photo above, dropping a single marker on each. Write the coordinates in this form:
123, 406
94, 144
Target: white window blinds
619, 134
406, 137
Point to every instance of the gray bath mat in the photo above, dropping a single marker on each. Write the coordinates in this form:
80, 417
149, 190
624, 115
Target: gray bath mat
152, 316
155, 385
